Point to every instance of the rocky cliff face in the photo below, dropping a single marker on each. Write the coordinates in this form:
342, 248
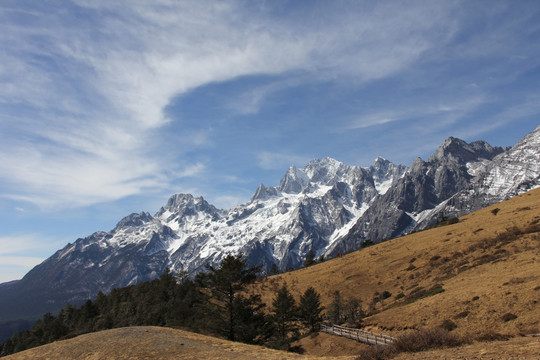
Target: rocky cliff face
327, 207
415, 200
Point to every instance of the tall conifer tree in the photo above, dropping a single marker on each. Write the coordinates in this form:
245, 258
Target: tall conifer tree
285, 311
310, 308
225, 282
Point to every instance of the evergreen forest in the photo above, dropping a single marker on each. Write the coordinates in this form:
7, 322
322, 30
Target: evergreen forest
212, 303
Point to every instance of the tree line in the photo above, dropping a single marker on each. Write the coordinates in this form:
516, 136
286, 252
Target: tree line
213, 302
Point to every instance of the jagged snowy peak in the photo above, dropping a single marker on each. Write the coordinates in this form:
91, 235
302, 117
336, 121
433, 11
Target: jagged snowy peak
332, 197
264, 193
328, 171
326, 206
514, 171
458, 178
294, 181
457, 150
180, 206
385, 173
134, 220
312, 207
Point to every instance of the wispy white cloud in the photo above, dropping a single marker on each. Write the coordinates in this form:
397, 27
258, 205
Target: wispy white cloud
91, 140
191, 170
15, 244
251, 101
15, 267
527, 107
273, 160
27, 262
228, 201
441, 112
18, 254
377, 118
83, 97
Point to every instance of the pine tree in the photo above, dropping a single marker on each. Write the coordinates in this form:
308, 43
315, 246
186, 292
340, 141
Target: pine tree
284, 311
226, 282
310, 259
181, 274
336, 308
311, 309
274, 270
251, 319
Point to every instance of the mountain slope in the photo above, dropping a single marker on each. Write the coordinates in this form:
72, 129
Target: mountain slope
150, 342
326, 207
481, 274
497, 276
457, 179
165, 343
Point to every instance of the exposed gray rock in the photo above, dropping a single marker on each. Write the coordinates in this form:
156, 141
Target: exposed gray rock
327, 207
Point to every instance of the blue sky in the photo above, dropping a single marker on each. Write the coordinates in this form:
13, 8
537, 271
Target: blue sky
108, 108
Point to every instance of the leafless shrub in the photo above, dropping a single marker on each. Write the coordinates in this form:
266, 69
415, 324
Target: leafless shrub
410, 268
487, 258
378, 352
515, 281
448, 325
509, 317
462, 315
492, 336
414, 341
427, 339
533, 227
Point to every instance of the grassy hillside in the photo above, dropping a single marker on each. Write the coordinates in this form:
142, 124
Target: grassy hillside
479, 276
150, 343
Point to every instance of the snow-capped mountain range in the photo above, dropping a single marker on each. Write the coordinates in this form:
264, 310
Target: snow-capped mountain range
326, 207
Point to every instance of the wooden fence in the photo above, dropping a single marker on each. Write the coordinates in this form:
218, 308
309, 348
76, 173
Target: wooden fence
366, 337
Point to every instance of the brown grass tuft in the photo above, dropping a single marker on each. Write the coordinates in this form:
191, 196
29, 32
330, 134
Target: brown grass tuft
426, 339
415, 341
492, 336
509, 317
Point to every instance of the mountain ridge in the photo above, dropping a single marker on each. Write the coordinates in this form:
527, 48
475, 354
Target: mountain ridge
483, 269
326, 207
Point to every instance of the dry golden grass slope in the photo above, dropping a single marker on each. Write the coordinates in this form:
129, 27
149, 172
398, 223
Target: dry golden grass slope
152, 343
488, 265
156, 343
